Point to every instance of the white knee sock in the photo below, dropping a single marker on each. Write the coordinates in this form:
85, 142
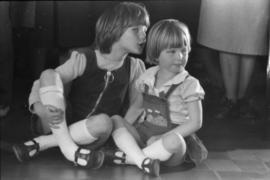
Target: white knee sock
80, 133
157, 151
46, 141
53, 96
126, 143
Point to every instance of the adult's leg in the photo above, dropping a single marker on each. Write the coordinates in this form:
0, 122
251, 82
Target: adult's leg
229, 68
246, 112
209, 59
246, 69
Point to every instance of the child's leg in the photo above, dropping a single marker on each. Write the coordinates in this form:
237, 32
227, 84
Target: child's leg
163, 149
82, 132
51, 94
98, 127
126, 142
27, 150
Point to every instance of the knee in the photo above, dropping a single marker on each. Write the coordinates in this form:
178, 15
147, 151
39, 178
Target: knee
48, 77
174, 143
118, 121
100, 125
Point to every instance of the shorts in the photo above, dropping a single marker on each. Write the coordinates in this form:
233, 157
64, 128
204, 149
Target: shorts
196, 150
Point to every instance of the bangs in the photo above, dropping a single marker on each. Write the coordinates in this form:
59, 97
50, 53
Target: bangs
166, 34
172, 38
113, 23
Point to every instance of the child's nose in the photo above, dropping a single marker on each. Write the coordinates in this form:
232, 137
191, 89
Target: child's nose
179, 55
142, 33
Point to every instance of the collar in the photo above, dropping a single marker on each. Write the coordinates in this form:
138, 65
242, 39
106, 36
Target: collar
149, 77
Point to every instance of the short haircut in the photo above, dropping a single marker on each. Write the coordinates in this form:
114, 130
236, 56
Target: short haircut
167, 33
113, 23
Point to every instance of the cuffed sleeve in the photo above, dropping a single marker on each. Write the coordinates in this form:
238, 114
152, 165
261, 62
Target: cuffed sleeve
71, 69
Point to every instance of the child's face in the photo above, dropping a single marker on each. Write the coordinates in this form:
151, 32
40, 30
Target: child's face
133, 39
173, 60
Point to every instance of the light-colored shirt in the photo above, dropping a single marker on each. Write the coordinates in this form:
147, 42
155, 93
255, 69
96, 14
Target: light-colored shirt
189, 90
75, 66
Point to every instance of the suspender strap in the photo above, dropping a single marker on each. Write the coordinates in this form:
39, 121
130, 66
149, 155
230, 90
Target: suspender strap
173, 87
146, 89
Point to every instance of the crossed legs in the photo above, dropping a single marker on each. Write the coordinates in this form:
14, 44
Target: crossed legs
170, 148
83, 132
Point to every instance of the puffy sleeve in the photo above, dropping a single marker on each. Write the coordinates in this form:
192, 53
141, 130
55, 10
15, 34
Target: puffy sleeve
137, 69
68, 71
192, 90
73, 67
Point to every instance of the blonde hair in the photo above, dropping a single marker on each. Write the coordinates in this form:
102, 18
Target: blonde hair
167, 33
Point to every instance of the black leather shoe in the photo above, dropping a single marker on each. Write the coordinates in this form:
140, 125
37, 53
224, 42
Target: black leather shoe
25, 152
111, 156
228, 109
94, 159
151, 166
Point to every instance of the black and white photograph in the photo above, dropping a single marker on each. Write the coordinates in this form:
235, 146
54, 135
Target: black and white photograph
135, 90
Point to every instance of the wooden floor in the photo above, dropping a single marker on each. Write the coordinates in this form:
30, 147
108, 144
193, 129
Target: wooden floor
237, 151
240, 164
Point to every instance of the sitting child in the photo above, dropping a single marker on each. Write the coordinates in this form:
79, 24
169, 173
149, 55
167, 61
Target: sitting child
101, 79
160, 126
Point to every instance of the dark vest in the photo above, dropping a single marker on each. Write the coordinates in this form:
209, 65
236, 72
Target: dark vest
86, 89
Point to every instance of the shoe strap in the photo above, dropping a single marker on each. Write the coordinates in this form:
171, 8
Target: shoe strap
35, 146
79, 155
122, 159
146, 165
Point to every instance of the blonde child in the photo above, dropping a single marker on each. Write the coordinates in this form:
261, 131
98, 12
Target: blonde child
160, 126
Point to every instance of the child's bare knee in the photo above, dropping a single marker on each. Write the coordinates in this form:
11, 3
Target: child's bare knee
174, 143
117, 121
105, 122
100, 124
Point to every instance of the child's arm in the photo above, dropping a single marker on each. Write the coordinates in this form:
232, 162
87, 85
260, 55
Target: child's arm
135, 97
195, 121
190, 127
136, 70
134, 110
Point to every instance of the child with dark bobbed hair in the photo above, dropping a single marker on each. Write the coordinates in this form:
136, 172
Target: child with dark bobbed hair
101, 79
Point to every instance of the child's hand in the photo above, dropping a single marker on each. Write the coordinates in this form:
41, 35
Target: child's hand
51, 114
55, 116
153, 139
